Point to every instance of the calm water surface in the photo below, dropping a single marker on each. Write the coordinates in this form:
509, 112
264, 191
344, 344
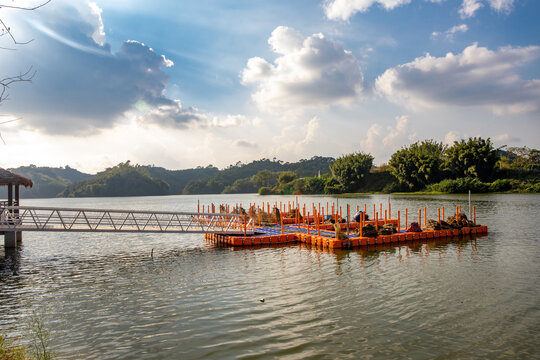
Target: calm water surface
102, 296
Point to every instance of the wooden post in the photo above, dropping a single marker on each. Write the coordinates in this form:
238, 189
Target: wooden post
443, 214
244, 220
439, 215
10, 195
348, 218
362, 221
474, 213
406, 219
385, 216
374, 213
398, 223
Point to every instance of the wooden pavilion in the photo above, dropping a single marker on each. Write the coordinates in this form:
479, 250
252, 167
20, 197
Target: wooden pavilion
13, 182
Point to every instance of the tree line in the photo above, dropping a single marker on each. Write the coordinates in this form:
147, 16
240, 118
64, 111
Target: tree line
472, 164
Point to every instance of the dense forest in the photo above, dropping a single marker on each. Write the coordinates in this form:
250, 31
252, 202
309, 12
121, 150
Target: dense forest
425, 166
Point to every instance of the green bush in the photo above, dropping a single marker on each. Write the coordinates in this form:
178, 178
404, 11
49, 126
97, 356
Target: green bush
460, 185
266, 191
500, 185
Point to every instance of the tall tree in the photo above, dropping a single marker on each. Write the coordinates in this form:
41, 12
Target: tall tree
474, 158
350, 170
418, 165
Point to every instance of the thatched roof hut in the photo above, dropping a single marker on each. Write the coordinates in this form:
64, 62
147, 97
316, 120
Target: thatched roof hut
12, 181
9, 178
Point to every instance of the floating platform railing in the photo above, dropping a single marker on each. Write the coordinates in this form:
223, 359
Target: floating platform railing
32, 218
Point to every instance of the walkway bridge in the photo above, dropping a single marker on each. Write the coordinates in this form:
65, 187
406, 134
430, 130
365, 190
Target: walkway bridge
31, 218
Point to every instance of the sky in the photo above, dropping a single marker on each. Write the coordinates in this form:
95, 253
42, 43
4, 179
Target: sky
181, 84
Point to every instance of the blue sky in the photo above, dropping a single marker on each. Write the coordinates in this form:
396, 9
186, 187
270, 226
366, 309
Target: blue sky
182, 83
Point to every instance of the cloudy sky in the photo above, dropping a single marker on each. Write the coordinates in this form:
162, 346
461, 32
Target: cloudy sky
180, 84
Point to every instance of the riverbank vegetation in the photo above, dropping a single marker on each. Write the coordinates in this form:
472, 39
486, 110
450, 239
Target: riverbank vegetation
425, 166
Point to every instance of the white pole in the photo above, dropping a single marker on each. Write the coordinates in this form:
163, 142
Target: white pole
469, 204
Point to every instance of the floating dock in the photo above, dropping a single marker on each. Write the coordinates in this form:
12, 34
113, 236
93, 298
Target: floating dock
320, 230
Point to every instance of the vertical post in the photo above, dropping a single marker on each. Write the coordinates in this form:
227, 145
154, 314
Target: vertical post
318, 224
439, 215
469, 204
398, 223
198, 206
406, 218
474, 214
389, 209
443, 214
244, 221
374, 213
348, 218
281, 218
380, 210
10, 195
385, 216
362, 221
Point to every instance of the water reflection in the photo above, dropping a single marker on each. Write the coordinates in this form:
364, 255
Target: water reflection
107, 297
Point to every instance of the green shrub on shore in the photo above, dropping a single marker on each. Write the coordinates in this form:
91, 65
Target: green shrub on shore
10, 351
460, 185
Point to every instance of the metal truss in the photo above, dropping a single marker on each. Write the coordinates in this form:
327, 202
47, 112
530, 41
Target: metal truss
31, 218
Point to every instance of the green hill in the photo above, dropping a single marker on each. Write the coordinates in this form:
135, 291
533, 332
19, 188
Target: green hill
247, 178
48, 181
123, 179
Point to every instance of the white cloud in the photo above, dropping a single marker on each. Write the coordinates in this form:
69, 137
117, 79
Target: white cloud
501, 5
451, 137
477, 77
470, 7
99, 29
228, 121
449, 34
382, 141
344, 9
314, 72
243, 143
82, 84
295, 139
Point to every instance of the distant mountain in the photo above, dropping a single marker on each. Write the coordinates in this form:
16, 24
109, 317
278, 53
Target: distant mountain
178, 179
241, 178
123, 179
48, 181
126, 179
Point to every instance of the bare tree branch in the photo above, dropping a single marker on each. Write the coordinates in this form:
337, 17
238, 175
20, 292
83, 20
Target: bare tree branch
22, 77
23, 7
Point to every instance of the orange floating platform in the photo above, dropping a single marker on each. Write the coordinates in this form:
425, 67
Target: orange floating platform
299, 234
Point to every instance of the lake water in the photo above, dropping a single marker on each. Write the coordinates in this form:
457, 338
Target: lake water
102, 296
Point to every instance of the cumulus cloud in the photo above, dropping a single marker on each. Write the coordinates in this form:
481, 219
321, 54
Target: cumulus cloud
311, 72
449, 34
470, 7
245, 144
382, 141
344, 9
477, 77
82, 85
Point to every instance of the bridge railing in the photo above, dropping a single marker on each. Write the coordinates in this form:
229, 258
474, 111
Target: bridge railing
32, 218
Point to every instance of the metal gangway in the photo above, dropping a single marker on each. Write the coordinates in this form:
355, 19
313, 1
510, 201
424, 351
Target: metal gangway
33, 218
